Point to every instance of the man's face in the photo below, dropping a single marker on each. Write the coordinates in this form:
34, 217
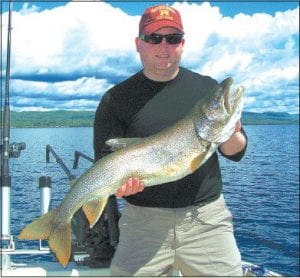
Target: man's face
161, 60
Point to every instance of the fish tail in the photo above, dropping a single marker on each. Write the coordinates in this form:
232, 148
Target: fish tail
57, 233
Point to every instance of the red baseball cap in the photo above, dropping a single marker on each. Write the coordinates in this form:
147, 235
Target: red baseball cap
157, 17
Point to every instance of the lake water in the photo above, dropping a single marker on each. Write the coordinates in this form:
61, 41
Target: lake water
262, 190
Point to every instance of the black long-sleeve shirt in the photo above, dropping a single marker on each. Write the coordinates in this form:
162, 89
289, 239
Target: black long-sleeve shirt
130, 109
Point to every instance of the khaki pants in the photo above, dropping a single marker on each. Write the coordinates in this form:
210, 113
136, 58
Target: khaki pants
197, 241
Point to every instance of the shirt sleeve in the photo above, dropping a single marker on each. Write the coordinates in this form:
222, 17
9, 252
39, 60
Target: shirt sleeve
238, 156
107, 125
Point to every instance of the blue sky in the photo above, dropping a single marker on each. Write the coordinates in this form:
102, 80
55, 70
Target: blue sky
65, 55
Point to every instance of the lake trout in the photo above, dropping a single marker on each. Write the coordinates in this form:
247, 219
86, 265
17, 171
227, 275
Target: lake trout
166, 156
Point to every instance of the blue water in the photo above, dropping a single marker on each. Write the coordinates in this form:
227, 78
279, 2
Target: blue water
262, 190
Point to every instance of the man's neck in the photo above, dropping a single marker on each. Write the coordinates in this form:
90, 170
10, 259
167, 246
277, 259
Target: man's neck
161, 76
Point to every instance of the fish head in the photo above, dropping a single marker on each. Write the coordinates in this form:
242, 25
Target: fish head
216, 116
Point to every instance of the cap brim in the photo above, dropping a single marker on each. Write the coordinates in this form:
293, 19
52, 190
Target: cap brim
153, 27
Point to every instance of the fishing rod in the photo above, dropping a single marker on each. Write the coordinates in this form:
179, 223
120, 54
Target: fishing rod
7, 150
5, 178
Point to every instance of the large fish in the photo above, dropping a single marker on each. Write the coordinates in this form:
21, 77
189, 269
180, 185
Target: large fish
163, 157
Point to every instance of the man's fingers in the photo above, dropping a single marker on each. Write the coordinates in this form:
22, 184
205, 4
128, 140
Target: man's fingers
120, 192
132, 186
238, 126
129, 187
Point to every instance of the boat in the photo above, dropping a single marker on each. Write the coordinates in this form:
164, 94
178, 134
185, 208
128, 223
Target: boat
78, 266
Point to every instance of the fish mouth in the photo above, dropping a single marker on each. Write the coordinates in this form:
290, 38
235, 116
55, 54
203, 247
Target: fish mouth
232, 99
217, 118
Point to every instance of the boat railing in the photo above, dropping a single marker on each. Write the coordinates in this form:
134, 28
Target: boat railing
77, 155
8, 246
50, 150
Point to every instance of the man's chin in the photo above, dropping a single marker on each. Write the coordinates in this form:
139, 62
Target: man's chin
164, 66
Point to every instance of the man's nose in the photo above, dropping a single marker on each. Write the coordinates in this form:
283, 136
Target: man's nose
164, 42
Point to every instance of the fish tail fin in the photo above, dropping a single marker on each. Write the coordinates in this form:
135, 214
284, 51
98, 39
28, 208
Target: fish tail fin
60, 243
57, 233
39, 228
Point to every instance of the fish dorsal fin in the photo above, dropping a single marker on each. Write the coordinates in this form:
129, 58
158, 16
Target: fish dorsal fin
93, 210
119, 143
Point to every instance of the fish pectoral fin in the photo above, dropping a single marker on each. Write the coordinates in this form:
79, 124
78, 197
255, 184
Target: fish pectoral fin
93, 210
119, 143
196, 162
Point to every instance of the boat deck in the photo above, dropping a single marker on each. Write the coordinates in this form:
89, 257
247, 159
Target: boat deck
51, 269
54, 269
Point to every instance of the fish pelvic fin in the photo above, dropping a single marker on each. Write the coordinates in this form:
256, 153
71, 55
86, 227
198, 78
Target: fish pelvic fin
58, 234
94, 209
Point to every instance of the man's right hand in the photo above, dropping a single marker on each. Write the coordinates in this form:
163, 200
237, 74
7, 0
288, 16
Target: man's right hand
132, 186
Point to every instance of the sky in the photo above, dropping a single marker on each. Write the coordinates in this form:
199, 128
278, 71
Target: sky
65, 55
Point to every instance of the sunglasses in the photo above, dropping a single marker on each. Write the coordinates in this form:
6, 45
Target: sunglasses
157, 38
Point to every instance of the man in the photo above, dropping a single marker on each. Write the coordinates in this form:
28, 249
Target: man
183, 224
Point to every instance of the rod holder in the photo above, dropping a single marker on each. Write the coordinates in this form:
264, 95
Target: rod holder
45, 198
45, 193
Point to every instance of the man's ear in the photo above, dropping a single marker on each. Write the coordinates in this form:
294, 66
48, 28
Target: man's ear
183, 41
137, 44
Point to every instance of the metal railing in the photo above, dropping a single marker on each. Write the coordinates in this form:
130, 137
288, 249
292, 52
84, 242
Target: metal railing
77, 155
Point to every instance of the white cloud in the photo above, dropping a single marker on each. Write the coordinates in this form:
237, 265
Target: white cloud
81, 87
92, 44
26, 9
78, 36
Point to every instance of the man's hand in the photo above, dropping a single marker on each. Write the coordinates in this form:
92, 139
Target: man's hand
238, 126
236, 142
132, 186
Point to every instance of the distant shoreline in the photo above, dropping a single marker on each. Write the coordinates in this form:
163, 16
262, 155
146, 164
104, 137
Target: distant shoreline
64, 118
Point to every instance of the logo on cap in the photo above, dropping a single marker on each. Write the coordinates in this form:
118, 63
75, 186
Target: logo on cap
164, 12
